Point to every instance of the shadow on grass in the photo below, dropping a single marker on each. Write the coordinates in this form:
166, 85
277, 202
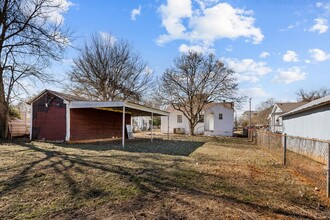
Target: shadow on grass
159, 146
153, 180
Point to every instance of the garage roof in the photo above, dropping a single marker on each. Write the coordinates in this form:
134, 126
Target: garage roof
311, 105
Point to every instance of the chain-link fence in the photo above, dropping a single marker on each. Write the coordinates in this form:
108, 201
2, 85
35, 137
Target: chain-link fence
307, 157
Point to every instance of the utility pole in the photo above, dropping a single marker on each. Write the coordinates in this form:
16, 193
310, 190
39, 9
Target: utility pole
250, 113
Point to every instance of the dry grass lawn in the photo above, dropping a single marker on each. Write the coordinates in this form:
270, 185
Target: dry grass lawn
182, 178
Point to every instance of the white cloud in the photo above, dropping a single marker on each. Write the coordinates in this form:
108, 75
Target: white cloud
148, 70
319, 55
184, 48
264, 54
50, 11
207, 23
247, 69
290, 75
324, 6
55, 14
291, 26
290, 56
108, 37
319, 4
135, 12
255, 92
321, 25
172, 15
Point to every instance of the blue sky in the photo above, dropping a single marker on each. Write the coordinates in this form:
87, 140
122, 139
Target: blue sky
275, 47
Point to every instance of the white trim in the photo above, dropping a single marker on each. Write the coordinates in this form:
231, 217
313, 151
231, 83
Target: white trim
146, 109
109, 104
152, 126
31, 122
92, 104
67, 121
123, 129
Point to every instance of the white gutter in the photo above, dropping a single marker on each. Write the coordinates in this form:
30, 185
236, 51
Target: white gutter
67, 120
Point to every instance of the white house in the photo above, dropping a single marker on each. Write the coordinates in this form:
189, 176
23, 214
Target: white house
275, 117
311, 120
141, 123
217, 120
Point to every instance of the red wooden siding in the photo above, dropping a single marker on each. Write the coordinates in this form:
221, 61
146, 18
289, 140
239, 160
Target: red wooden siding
88, 123
49, 120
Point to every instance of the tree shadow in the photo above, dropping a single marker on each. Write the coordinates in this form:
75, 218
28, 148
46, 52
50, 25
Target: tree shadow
153, 178
159, 146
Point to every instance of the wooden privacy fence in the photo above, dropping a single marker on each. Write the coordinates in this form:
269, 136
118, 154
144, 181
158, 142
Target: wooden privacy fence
310, 157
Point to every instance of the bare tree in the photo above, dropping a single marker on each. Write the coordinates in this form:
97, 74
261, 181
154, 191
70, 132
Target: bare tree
263, 111
194, 81
31, 33
307, 96
109, 69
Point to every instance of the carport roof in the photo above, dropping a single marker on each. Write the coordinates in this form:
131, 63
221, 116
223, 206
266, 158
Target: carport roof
117, 106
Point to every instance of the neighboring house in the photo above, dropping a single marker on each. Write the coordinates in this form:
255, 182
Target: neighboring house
275, 117
217, 119
311, 120
60, 117
141, 123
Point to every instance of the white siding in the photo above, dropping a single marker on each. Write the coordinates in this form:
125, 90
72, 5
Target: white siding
314, 123
141, 123
222, 127
275, 122
174, 123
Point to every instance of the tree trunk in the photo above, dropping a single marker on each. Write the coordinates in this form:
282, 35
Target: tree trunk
192, 128
3, 110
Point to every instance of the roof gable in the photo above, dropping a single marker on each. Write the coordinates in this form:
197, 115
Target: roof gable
63, 96
288, 106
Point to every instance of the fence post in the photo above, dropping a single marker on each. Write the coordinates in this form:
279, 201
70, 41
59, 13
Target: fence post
284, 150
268, 140
328, 172
252, 131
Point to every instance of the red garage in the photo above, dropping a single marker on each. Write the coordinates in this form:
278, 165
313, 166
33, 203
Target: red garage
62, 117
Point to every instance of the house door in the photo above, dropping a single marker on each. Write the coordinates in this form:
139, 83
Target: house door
209, 125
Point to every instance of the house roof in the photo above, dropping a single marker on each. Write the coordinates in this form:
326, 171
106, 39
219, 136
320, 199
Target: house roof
208, 105
310, 105
116, 106
288, 106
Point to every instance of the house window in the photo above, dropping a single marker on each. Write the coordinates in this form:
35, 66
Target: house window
201, 118
179, 118
220, 116
277, 122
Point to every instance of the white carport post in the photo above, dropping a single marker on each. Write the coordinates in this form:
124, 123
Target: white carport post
123, 131
152, 125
